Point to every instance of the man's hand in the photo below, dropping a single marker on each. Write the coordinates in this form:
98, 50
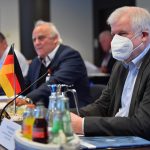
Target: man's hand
76, 123
20, 102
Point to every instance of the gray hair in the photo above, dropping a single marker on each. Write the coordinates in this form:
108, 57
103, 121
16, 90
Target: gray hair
140, 17
54, 30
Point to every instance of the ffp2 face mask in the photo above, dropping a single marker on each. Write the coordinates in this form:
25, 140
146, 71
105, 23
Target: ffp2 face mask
122, 47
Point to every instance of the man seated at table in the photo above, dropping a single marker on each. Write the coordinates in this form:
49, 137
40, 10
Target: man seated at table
65, 63
124, 106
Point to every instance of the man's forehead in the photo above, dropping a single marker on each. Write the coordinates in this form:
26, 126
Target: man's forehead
123, 24
120, 29
39, 34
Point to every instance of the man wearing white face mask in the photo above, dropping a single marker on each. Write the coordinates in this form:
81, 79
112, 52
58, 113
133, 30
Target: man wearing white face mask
124, 106
122, 47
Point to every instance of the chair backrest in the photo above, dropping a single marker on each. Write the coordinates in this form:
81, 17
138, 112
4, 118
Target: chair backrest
96, 91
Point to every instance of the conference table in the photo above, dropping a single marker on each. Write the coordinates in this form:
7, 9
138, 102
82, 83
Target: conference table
138, 143
132, 148
107, 142
140, 148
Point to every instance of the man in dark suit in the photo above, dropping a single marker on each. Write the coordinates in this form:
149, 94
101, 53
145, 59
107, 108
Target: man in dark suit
124, 106
66, 65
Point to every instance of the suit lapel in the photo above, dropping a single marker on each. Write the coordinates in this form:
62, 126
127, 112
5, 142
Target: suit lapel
54, 63
38, 67
138, 82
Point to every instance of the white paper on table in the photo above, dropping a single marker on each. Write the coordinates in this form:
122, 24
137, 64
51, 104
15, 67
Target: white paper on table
7, 131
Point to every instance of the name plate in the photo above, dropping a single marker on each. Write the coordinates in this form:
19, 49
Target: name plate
7, 131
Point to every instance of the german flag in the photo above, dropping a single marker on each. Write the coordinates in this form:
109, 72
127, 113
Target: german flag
11, 78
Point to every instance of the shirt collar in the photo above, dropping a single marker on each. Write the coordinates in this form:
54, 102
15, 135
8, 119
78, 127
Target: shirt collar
47, 60
52, 54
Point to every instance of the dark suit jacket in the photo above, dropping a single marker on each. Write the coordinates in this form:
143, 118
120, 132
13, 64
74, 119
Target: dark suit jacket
104, 109
67, 68
110, 64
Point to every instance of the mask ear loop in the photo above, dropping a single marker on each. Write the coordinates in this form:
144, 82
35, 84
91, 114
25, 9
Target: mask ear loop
138, 46
137, 34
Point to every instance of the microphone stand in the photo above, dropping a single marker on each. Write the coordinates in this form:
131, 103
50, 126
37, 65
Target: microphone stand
3, 110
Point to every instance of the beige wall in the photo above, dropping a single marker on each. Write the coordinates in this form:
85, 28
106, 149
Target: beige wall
74, 21
9, 21
144, 4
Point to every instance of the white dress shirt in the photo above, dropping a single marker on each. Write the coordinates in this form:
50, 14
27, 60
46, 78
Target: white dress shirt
47, 60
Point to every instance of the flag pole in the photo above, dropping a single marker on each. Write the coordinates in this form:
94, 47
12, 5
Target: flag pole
15, 109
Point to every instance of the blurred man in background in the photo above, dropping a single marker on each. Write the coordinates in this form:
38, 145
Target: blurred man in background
65, 63
107, 61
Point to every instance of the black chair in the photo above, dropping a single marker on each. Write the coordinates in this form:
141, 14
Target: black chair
96, 91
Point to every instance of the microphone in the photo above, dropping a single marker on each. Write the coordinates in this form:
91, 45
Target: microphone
3, 110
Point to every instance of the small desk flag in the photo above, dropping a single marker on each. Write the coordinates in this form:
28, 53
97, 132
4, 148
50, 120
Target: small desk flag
11, 78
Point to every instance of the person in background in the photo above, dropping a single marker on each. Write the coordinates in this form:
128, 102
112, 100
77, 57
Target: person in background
123, 109
107, 61
4, 49
65, 63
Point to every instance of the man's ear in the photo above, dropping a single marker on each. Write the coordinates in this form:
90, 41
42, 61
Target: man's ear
145, 36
